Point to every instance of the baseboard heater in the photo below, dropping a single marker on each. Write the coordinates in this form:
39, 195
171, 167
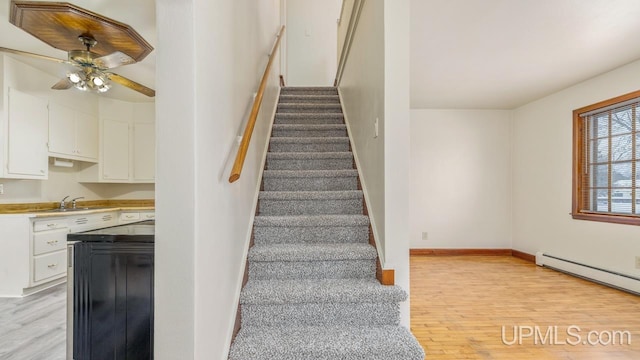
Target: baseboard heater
605, 277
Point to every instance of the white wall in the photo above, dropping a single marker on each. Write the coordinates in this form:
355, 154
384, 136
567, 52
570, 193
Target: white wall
375, 85
460, 179
396, 148
362, 90
203, 230
542, 168
311, 42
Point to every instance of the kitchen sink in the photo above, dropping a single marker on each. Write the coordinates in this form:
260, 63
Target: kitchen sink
69, 209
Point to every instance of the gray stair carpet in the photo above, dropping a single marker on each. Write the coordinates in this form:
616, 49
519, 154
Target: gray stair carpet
312, 291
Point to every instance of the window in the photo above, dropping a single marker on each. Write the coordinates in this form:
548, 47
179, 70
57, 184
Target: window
606, 161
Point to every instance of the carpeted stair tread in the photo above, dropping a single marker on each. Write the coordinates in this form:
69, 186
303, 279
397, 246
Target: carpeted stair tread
310, 173
309, 144
310, 180
319, 291
292, 127
312, 252
309, 118
309, 160
286, 89
310, 195
306, 90
310, 229
305, 140
311, 220
326, 343
309, 130
309, 155
309, 98
309, 108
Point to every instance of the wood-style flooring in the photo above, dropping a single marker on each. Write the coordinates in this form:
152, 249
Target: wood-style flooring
34, 327
459, 305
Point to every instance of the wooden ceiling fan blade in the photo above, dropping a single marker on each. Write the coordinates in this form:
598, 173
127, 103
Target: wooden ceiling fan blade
132, 84
63, 84
113, 60
37, 56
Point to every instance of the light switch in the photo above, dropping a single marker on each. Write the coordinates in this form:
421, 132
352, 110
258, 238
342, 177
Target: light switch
375, 126
1, 189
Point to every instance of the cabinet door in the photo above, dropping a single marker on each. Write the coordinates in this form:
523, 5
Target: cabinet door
28, 155
115, 150
144, 152
62, 130
87, 136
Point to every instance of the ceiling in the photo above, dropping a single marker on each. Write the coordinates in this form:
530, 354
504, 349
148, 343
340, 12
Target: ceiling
501, 54
139, 14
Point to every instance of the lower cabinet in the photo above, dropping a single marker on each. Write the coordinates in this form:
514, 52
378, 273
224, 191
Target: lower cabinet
112, 300
48, 255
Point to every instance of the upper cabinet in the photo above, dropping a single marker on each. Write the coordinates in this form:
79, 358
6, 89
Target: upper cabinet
127, 144
144, 143
26, 154
72, 134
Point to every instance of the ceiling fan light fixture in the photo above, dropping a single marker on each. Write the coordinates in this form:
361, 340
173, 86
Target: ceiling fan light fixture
74, 77
104, 88
98, 81
82, 86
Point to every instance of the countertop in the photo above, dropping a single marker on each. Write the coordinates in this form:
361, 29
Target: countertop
136, 232
48, 209
45, 213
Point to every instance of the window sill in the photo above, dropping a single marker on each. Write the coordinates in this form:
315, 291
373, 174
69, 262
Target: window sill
608, 218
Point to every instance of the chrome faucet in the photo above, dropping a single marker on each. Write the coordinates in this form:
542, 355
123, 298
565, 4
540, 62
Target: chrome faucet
62, 202
73, 201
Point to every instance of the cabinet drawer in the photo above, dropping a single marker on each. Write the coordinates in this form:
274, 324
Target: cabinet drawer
50, 265
48, 241
129, 216
147, 216
51, 224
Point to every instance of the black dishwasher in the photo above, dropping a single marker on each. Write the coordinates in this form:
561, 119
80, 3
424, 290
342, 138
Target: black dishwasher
110, 293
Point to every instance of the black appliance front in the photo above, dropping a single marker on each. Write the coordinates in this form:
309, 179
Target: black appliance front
113, 301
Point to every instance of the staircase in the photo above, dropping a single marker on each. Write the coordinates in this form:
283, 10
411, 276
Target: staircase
312, 292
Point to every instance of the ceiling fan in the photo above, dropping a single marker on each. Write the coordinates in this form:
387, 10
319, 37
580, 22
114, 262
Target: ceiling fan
95, 44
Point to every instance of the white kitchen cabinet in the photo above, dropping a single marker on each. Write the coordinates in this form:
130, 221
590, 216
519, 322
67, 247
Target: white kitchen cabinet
72, 134
26, 151
144, 152
127, 144
34, 250
48, 251
115, 150
136, 216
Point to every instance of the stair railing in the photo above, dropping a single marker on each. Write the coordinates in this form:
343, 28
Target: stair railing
348, 38
248, 130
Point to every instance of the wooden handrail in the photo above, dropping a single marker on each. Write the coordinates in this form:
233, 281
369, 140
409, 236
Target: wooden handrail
248, 130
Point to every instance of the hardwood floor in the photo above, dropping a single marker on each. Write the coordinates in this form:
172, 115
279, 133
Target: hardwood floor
460, 304
34, 327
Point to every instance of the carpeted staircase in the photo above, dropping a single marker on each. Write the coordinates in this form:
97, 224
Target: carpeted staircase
312, 292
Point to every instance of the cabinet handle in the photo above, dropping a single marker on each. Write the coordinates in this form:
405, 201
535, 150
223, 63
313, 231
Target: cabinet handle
41, 171
52, 242
51, 225
52, 266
